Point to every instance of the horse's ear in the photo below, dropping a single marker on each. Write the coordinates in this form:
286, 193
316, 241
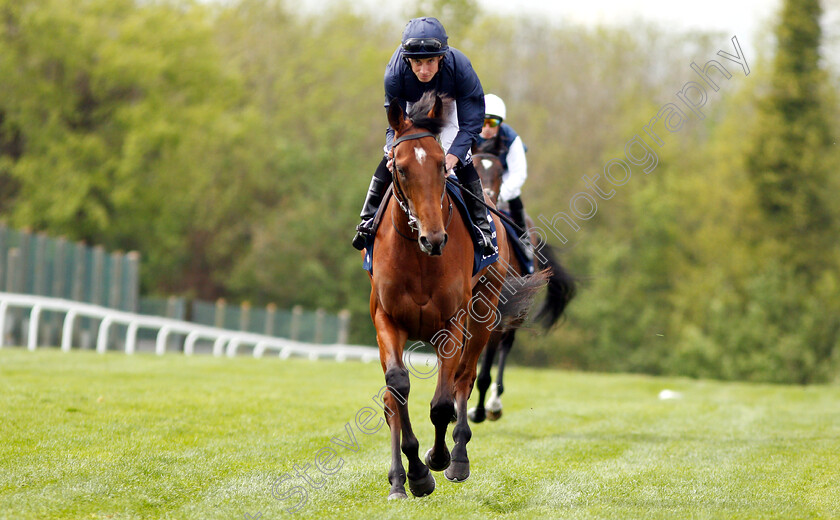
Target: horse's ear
437, 109
396, 117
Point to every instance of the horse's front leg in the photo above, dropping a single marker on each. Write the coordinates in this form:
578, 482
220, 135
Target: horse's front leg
396, 474
391, 340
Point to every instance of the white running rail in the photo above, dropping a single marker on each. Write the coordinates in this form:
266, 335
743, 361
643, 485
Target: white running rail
224, 341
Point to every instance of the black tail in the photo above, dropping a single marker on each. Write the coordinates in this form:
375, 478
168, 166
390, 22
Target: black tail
561, 287
518, 296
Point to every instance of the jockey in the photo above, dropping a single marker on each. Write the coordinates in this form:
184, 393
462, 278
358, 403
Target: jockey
424, 61
500, 139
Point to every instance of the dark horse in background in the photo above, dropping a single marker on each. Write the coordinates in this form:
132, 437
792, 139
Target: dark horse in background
423, 288
561, 290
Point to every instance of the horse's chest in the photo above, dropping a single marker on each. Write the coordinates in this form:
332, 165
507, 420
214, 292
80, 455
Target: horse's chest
421, 305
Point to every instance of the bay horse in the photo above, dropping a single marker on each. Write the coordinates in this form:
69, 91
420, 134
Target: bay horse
423, 288
561, 290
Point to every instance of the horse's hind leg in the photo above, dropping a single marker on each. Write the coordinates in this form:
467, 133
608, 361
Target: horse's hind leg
479, 413
494, 404
449, 353
420, 480
459, 469
442, 409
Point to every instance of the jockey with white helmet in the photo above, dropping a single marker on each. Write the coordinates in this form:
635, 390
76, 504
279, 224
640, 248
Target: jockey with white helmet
500, 139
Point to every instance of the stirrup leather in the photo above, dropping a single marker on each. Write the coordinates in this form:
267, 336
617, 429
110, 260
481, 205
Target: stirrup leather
365, 227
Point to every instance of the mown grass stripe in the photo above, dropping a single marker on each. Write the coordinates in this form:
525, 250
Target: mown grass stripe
90, 436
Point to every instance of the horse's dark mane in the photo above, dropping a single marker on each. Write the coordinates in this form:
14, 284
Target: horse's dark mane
418, 114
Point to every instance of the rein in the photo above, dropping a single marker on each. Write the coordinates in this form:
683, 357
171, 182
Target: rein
491, 209
410, 137
412, 220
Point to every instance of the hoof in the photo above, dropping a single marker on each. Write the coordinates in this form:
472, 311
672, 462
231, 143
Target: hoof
432, 466
476, 415
397, 495
494, 404
422, 487
457, 471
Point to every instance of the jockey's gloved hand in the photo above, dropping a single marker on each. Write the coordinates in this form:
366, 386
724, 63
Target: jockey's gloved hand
390, 163
451, 162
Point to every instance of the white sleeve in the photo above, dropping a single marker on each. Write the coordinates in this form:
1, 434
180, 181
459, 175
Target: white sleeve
517, 171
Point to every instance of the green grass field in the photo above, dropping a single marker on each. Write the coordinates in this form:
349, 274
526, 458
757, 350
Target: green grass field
87, 436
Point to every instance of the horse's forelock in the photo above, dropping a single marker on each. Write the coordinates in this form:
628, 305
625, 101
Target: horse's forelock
418, 113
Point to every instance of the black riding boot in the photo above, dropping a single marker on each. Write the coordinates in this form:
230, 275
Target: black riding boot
469, 180
517, 212
378, 184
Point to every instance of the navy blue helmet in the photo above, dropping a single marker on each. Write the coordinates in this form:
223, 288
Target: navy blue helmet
424, 38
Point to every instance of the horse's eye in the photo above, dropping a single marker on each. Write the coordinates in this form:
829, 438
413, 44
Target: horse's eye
401, 172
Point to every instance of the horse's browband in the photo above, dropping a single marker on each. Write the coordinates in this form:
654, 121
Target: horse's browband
409, 137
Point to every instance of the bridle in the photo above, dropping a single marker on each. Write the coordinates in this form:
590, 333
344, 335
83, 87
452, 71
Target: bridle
399, 194
400, 233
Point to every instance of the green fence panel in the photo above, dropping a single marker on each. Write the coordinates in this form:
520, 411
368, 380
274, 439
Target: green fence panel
257, 318
306, 327
4, 247
47, 266
283, 323
41, 265
231, 320
204, 313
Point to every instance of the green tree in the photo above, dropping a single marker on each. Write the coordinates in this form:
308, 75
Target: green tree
130, 133
456, 15
788, 162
